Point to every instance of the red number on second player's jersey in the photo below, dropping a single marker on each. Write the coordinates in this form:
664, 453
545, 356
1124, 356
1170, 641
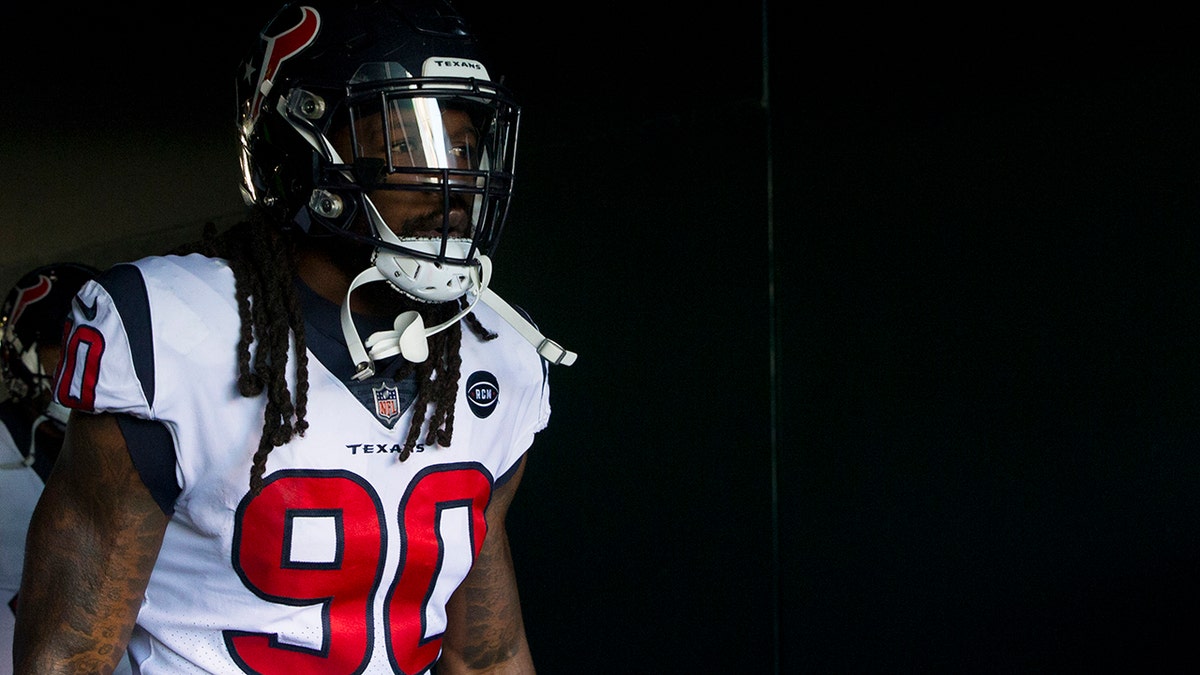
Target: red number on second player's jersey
79, 367
318, 538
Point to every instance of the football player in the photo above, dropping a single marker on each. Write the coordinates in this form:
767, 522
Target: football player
294, 446
31, 422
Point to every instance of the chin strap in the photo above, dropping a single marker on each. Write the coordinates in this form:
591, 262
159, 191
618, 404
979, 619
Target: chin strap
409, 336
547, 348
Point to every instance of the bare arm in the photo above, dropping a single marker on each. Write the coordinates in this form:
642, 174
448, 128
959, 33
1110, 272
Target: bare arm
92, 543
485, 632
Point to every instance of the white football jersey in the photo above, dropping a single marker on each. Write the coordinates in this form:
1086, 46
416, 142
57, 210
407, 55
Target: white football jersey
20, 488
345, 561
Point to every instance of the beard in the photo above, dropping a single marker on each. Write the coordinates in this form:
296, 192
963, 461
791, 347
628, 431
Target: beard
431, 224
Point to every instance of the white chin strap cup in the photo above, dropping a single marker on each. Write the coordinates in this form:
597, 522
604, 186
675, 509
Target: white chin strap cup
409, 336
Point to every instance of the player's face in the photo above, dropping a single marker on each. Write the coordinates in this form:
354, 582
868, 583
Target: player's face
418, 134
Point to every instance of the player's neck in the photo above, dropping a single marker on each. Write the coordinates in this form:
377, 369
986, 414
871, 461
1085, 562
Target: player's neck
330, 280
321, 274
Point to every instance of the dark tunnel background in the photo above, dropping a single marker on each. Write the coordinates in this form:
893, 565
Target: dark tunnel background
886, 322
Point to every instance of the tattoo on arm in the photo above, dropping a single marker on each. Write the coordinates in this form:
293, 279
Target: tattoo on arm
486, 628
92, 543
495, 630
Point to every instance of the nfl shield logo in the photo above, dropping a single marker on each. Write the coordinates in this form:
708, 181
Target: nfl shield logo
387, 403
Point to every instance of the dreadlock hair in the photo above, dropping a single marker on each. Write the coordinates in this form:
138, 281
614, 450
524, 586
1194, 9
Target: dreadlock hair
263, 260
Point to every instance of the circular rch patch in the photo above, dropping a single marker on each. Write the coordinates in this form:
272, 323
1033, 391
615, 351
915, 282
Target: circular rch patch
483, 392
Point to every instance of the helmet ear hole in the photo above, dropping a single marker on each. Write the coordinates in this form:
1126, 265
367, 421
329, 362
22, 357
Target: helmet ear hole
326, 204
306, 104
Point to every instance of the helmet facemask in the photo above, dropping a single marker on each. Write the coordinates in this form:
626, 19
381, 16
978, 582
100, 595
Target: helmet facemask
430, 159
434, 154
349, 117
24, 375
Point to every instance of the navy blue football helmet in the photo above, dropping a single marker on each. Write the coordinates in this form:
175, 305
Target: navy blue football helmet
32, 316
407, 81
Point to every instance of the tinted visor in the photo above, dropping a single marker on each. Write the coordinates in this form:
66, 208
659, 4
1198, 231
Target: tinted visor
424, 137
452, 137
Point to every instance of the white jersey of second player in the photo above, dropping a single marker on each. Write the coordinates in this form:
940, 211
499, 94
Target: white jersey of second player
20, 488
345, 560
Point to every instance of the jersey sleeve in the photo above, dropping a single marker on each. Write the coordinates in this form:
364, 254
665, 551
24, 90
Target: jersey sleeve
108, 366
538, 417
108, 361
512, 376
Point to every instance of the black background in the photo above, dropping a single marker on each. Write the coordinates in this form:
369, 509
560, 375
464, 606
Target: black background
888, 367
987, 327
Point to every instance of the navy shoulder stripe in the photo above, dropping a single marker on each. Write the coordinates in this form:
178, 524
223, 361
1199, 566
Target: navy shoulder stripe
128, 290
153, 453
